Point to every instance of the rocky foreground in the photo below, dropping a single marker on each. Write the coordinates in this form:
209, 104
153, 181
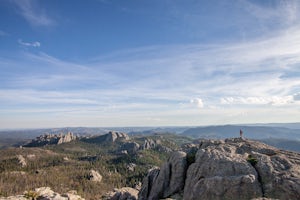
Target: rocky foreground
226, 169
45, 193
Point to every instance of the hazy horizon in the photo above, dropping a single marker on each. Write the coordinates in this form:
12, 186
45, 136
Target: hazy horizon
290, 125
113, 63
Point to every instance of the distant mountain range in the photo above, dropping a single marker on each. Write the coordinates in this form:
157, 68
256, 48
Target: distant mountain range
283, 125
281, 135
291, 145
276, 135
252, 132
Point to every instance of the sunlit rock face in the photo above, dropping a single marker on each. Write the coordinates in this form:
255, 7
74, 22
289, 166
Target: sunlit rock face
49, 139
226, 169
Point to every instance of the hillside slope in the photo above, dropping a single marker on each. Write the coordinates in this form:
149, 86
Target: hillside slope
120, 161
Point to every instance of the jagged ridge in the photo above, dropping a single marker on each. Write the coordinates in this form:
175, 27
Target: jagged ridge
48, 139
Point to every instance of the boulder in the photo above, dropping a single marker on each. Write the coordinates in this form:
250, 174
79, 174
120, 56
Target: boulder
94, 176
72, 195
131, 167
45, 193
31, 156
21, 160
125, 193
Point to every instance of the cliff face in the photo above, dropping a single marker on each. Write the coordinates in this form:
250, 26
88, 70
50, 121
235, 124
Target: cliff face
48, 139
110, 137
113, 136
226, 169
66, 138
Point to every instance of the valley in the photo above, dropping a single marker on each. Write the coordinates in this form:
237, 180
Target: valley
120, 161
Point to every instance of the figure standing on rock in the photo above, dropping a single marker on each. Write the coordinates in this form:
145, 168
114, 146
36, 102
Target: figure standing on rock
241, 133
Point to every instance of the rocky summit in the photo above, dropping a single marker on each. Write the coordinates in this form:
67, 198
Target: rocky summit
48, 139
235, 168
113, 136
109, 138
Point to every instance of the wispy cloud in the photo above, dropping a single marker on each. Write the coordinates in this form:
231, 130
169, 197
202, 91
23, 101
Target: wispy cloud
231, 82
253, 72
44, 97
29, 44
274, 100
283, 12
256, 68
33, 13
198, 102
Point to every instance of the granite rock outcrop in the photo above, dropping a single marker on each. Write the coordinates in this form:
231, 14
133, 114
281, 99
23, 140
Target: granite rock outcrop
114, 136
109, 138
49, 139
226, 169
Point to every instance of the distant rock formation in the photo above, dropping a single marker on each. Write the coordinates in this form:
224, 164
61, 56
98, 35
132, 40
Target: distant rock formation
45, 193
154, 144
113, 136
49, 139
149, 144
130, 147
66, 138
226, 169
94, 176
110, 137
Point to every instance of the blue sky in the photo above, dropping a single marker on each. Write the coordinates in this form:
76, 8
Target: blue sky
148, 63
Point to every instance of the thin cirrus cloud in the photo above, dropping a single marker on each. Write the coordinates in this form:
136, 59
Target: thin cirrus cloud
253, 69
161, 82
33, 13
29, 44
275, 100
237, 67
286, 12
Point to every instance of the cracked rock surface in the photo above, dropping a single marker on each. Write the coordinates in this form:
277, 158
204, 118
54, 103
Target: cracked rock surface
227, 169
